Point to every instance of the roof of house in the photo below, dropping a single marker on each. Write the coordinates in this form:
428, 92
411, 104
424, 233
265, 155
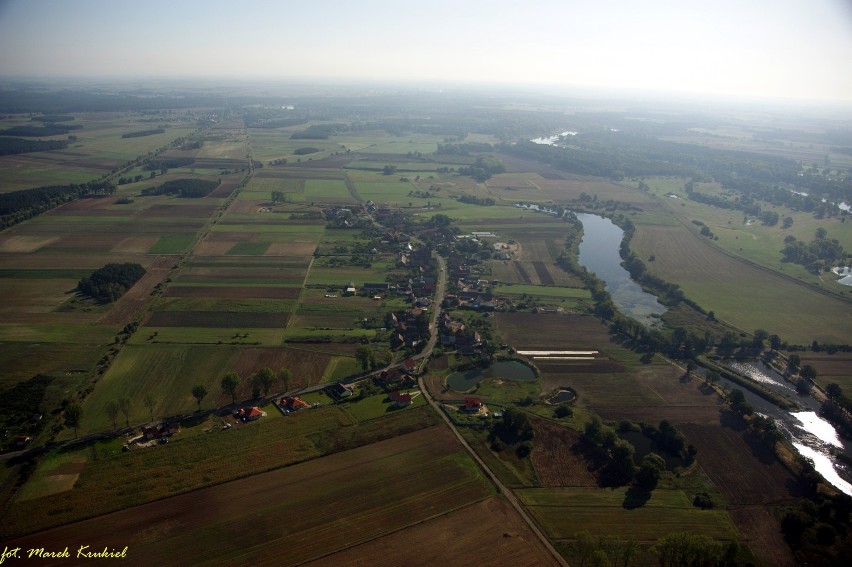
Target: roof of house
251, 413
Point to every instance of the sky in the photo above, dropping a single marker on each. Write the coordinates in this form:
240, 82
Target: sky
782, 49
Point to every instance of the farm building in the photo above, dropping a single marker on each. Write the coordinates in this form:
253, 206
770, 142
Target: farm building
251, 414
399, 399
292, 403
350, 289
160, 430
339, 391
409, 364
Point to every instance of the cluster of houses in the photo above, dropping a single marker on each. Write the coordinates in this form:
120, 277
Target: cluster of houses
341, 217
409, 328
455, 334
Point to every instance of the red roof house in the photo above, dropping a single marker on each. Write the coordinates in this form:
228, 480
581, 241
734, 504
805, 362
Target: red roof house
251, 414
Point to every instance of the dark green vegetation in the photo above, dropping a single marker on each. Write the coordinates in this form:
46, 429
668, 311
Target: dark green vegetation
20, 410
39, 131
110, 282
187, 188
11, 146
21, 205
141, 133
251, 215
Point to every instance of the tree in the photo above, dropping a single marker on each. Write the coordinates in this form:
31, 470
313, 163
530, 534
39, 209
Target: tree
266, 378
230, 383
150, 403
759, 336
808, 372
834, 391
650, 470
198, 392
793, 363
285, 376
774, 342
256, 386
125, 405
366, 357
112, 410
680, 548
73, 416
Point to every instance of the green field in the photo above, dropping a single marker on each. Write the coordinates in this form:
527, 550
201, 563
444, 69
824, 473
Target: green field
745, 296
172, 245
563, 512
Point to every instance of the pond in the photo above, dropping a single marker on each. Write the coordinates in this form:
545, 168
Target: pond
562, 396
599, 253
505, 369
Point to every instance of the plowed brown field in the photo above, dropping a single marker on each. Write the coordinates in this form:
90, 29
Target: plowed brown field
305, 511
555, 461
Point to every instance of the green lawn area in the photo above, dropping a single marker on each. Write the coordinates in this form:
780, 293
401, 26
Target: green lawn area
327, 190
176, 244
543, 291
379, 405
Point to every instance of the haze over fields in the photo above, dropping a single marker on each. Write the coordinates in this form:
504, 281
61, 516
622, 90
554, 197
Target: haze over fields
785, 49
326, 283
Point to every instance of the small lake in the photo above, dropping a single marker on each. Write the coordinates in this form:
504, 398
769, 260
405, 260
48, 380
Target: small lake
506, 370
599, 253
562, 396
552, 140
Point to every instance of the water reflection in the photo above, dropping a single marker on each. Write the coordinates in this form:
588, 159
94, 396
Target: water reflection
812, 436
599, 253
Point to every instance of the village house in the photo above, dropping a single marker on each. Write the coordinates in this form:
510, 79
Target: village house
160, 430
339, 391
250, 414
292, 403
400, 399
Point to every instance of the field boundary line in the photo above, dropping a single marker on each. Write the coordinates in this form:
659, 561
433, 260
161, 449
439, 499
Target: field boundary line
754, 264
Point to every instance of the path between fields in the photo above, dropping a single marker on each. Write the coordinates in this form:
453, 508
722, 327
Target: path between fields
510, 496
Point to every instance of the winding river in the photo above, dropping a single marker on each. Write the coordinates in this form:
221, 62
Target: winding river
599, 253
812, 436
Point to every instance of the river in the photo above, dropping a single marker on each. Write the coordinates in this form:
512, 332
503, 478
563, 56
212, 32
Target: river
812, 436
599, 253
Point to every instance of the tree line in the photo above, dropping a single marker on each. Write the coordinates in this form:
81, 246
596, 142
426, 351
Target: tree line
187, 188
40, 131
18, 206
142, 133
13, 146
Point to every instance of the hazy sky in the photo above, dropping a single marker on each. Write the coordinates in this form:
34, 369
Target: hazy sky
798, 49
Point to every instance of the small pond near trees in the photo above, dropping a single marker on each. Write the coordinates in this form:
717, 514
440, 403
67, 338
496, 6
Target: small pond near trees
505, 369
